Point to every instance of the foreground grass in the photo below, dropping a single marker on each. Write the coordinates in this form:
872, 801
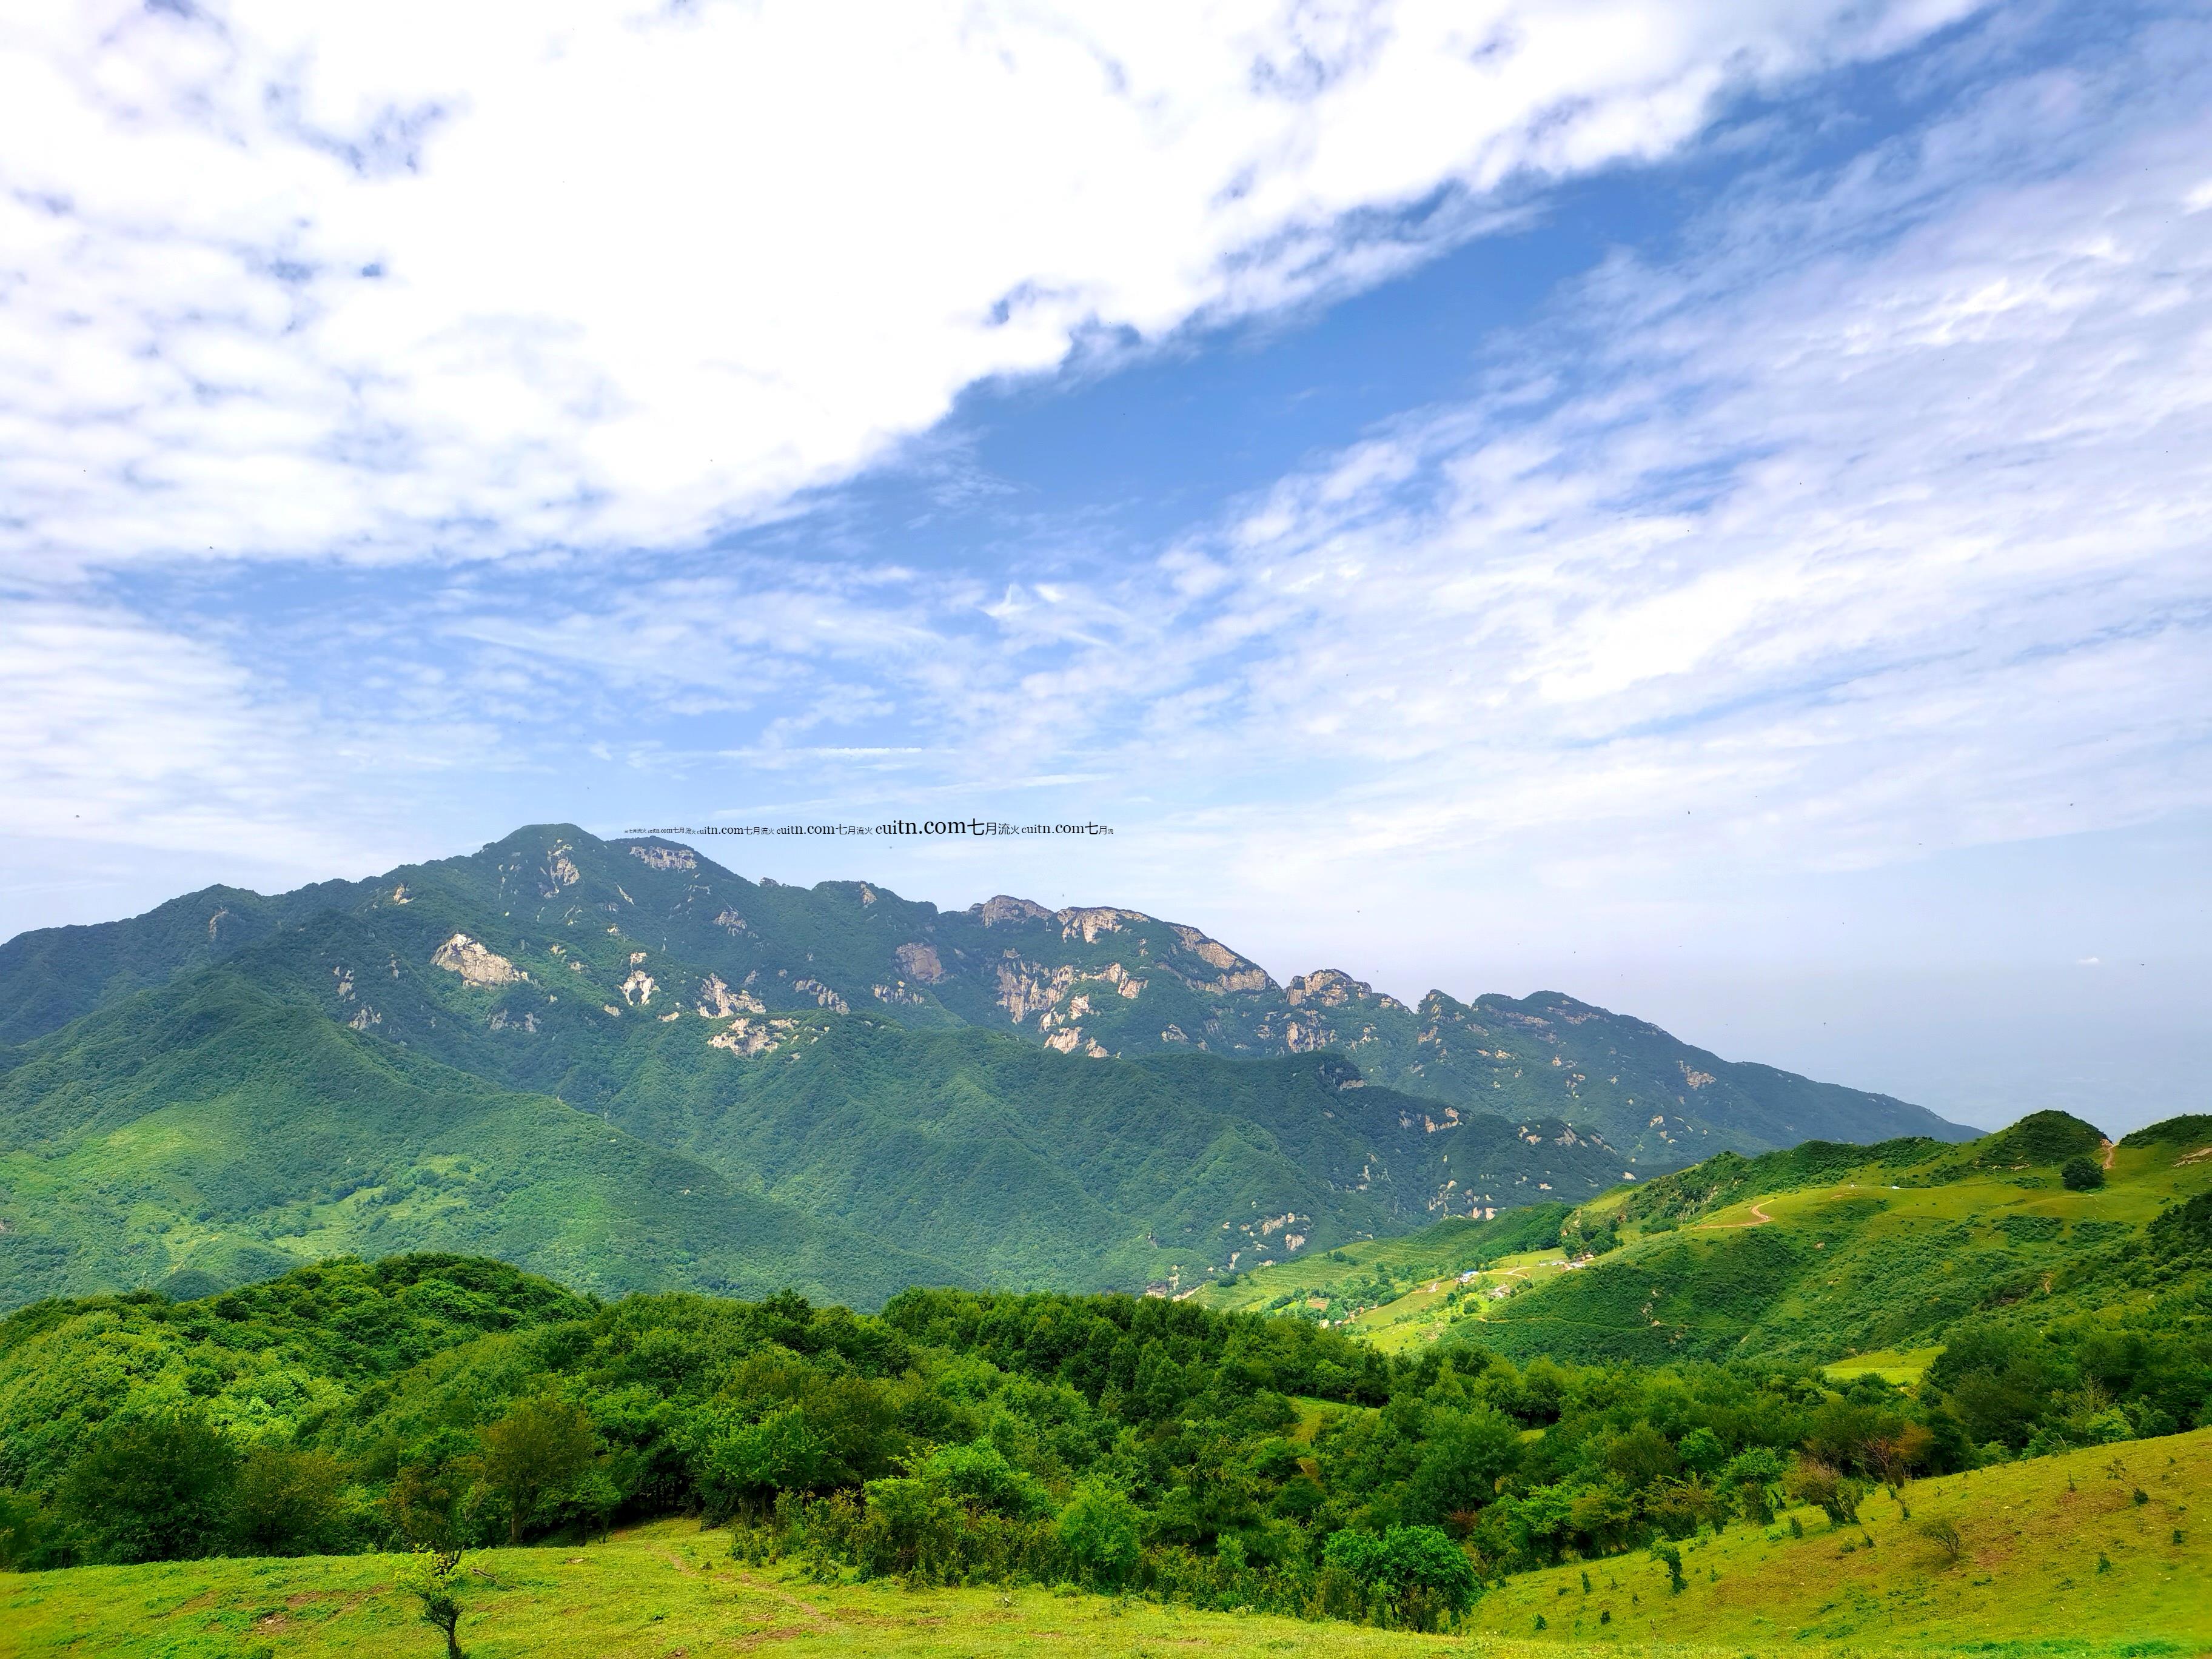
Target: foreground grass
659, 1593
2028, 1582
2058, 1556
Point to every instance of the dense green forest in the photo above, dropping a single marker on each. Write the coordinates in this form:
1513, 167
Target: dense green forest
226, 1127
1228, 1459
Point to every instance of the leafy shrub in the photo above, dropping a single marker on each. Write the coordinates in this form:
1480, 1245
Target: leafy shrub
2081, 1175
1099, 1531
151, 1489
1411, 1575
1835, 1494
1944, 1533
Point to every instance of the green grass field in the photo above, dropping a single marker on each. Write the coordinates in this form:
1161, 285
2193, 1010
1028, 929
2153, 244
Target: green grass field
2057, 1555
2058, 1558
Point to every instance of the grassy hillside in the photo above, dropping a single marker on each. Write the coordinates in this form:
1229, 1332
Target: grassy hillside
648, 1594
2095, 1548
636, 920
1828, 1252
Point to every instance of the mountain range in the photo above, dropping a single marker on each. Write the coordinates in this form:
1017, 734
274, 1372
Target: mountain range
619, 1063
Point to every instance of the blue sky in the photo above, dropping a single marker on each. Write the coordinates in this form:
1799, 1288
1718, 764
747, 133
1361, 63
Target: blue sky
1701, 506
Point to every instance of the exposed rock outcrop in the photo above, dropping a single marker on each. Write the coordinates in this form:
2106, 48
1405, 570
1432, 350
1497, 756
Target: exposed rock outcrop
718, 1001
474, 964
1000, 909
920, 964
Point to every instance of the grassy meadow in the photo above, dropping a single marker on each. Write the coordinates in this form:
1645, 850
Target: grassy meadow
2052, 1552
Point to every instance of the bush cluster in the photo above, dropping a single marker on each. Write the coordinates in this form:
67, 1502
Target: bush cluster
1128, 1444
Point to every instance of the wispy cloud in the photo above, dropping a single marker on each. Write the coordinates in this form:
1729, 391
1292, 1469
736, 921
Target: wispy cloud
398, 281
1883, 525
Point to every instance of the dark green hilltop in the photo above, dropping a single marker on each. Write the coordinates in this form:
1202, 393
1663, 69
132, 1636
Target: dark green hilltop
619, 1064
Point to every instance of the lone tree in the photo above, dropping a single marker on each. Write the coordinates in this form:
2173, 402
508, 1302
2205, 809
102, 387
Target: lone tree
537, 1450
1836, 1494
434, 1577
2082, 1173
1945, 1536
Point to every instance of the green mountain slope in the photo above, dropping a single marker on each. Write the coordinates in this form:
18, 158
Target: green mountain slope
640, 919
215, 1132
1827, 1251
349, 1084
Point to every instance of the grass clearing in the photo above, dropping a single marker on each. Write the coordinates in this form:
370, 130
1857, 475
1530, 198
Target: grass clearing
2054, 1550
1903, 1367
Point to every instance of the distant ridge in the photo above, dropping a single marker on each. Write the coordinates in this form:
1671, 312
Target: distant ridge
616, 1062
1097, 981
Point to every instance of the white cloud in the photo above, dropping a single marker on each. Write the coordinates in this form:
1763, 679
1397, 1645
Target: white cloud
398, 279
1812, 553
1880, 525
120, 731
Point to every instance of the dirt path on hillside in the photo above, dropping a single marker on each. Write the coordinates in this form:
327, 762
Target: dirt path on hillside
1758, 1218
2110, 1151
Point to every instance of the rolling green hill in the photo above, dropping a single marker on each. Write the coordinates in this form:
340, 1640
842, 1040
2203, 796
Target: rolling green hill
644, 924
214, 1133
1824, 1253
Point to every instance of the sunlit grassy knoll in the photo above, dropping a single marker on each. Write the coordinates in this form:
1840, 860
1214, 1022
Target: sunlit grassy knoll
1422, 1314
1903, 1367
2055, 1550
1424, 1252
657, 1593
1437, 1252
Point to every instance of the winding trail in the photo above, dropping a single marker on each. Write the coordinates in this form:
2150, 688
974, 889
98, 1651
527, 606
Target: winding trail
1758, 1218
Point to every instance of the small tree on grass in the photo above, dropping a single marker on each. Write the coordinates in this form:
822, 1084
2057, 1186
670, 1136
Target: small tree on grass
1666, 1552
1821, 1483
2081, 1175
537, 1449
1945, 1536
434, 1577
